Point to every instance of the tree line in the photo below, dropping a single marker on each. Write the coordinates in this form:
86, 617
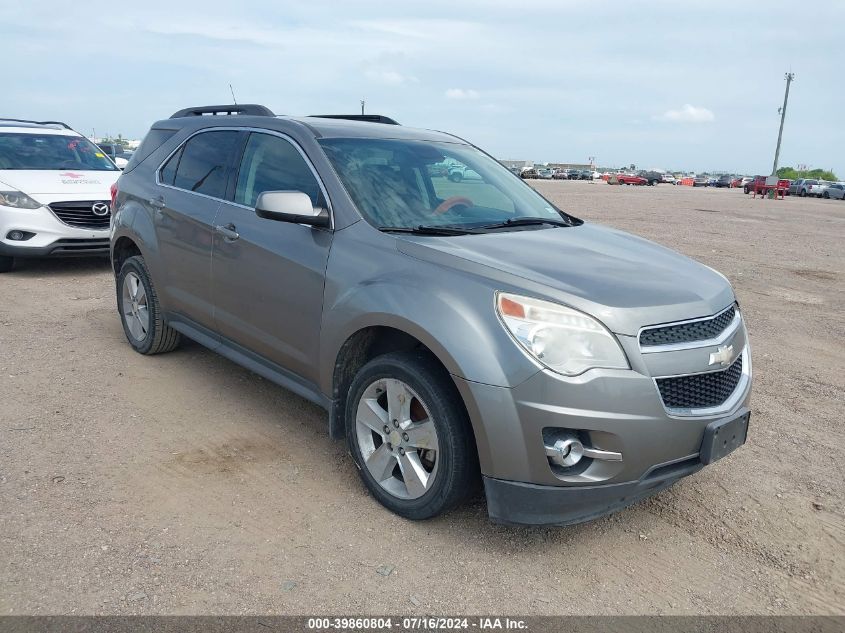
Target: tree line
791, 173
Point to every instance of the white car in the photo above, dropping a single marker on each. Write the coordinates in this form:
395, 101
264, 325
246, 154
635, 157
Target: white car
818, 188
55, 192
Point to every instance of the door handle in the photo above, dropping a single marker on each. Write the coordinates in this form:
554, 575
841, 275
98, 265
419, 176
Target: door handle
228, 232
157, 202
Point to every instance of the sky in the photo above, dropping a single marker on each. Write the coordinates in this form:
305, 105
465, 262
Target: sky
673, 85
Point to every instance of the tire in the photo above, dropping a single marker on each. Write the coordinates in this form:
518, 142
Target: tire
825, 195
433, 402
154, 335
6, 263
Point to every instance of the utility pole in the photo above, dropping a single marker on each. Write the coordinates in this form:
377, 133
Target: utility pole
362, 107
789, 77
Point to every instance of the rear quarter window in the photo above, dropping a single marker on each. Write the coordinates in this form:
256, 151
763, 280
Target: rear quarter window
154, 139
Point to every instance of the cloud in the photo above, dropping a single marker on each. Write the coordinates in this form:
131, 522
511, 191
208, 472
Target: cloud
687, 114
460, 94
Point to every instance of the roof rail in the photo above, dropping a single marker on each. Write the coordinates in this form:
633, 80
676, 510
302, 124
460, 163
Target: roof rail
369, 118
251, 109
64, 125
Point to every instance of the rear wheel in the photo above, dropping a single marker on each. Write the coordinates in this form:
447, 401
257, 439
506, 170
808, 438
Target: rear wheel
825, 195
140, 311
409, 435
6, 263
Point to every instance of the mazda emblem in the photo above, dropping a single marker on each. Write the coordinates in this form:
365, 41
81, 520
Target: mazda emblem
100, 209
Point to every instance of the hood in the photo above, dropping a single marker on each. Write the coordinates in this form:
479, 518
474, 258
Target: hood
625, 281
69, 181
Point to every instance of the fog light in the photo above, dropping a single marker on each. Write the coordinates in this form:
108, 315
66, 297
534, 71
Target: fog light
566, 451
17, 236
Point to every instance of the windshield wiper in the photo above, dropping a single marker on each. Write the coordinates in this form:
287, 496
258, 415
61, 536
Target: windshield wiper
423, 229
525, 221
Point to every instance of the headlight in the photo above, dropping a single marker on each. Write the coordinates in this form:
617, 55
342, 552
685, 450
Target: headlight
564, 340
17, 200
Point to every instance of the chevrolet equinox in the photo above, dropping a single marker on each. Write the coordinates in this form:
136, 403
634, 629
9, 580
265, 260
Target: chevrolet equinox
457, 331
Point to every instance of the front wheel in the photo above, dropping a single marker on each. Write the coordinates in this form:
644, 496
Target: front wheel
140, 312
6, 263
410, 436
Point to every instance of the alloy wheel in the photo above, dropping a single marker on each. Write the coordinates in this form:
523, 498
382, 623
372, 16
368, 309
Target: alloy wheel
136, 313
397, 438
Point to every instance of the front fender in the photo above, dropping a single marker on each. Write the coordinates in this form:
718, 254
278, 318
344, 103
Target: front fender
370, 283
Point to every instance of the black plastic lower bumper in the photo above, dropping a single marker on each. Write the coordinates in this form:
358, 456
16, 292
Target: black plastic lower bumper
69, 247
518, 503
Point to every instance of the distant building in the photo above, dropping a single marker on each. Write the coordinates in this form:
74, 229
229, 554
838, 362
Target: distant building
570, 166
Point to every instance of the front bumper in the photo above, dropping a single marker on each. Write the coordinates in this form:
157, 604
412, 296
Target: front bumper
518, 503
619, 411
49, 236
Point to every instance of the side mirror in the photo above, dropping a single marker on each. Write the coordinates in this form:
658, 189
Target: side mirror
290, 206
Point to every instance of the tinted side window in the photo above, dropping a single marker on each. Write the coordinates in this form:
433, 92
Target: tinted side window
204, 166
168, 172
271, 163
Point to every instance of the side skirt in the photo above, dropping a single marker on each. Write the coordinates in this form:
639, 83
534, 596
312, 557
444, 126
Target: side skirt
245, 358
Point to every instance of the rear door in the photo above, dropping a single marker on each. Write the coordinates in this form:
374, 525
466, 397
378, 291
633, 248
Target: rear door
192, 183
269, 276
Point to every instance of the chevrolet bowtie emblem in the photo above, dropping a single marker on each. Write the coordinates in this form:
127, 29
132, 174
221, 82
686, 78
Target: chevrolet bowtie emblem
723, 356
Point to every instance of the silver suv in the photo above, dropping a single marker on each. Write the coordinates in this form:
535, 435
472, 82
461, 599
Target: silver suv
457, 332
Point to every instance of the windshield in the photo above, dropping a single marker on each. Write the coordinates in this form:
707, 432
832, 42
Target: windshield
51, 151
407, 184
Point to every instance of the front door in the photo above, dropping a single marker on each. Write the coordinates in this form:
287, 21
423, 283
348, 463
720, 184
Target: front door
192, 185
268, 276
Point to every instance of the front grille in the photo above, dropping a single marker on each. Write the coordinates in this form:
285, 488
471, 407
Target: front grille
700, 391
68, 246
80, 213
687, 332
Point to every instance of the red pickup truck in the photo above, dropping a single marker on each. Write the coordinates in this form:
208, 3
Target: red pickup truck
758, 185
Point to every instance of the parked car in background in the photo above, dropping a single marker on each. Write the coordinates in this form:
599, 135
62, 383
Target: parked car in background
457, 335
667, 178
630, 179
804, 188
545, 173
835, 191
701, 181
561, 174
745, 180
757, 182
457, 173
528, 173
652, 177
795, 186
723, 181
116, 152
818, 188
55, 198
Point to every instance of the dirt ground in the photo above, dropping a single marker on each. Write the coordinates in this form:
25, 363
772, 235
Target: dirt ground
183, 484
